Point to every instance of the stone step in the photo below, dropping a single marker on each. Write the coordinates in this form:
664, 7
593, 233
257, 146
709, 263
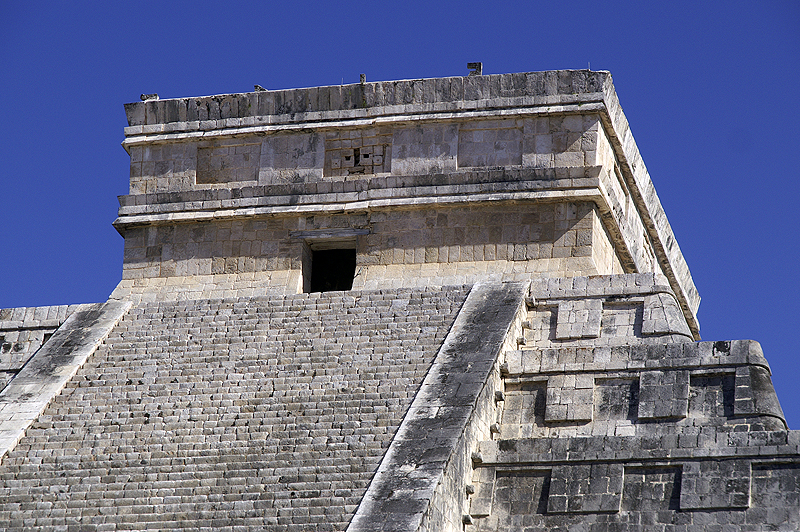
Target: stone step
218, 411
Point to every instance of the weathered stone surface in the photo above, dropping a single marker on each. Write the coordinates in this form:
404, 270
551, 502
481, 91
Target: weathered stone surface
665, 444
270, 412
519, 350
554, 137
441, 418
24, 399
23, 331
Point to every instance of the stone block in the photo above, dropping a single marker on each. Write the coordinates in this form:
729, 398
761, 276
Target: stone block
568, 399
715, 485
663, 394
579, 319
480, 503
579, 489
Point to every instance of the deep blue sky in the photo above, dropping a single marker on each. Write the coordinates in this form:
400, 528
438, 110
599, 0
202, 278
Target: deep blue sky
709, 88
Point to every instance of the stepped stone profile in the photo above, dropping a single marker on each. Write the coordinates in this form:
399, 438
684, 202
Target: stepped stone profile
447, 304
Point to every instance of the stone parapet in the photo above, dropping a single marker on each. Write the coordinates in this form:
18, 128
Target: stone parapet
454, 94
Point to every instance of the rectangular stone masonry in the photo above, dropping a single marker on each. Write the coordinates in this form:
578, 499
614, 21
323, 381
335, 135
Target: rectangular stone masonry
490, 143
595, 488
429, 246
599, 285
483, 480
624, 300
567, 122
622, 321
754, 395
16, 346
291, 158
561, 140
616, 399
165, 167
683, 386
775, 491
524, 410
525, 402
424, 149
712, 395
23, 331
663, 394
711, 484
228, 164
651, 489
521, 493
579, 319
662, 315
569, 398
615, 405
541, 326
744, 402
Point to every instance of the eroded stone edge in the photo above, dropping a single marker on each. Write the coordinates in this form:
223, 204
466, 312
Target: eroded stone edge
437, 425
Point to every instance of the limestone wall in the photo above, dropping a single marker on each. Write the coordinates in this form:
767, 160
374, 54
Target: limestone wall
622, 207
396, 248
611, 418
603, 310
428, 147
555, 141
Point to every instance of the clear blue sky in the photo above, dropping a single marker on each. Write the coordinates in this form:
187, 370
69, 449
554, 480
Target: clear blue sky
709, 88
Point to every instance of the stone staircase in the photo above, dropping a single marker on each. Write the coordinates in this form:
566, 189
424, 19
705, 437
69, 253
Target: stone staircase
231, 414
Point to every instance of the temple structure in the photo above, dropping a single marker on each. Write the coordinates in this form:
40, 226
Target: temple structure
447, 304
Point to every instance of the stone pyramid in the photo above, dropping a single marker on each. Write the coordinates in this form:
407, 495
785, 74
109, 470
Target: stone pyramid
447, 304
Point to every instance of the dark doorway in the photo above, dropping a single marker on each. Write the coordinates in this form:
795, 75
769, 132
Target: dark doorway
332, 269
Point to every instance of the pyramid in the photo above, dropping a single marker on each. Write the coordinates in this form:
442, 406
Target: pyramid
450, 304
